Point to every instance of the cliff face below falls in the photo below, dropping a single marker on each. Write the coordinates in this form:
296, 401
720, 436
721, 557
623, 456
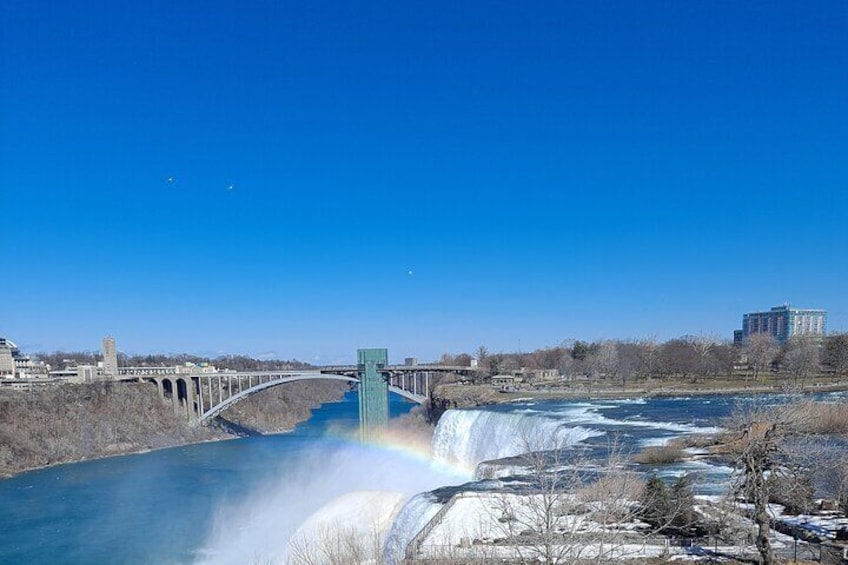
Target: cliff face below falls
59, 424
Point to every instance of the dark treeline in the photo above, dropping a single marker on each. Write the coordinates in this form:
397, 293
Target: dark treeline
687, 357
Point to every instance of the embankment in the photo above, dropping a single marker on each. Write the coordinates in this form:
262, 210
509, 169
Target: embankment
60, 424
464, 396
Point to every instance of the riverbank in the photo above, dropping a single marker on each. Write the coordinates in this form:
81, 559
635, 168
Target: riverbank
49, 426
460, 395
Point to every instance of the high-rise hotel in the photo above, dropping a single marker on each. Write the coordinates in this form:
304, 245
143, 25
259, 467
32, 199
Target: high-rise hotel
783, 323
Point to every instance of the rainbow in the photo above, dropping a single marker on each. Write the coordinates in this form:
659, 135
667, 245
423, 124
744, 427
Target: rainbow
402, 443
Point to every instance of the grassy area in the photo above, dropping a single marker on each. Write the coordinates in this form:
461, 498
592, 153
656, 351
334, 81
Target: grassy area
659, 455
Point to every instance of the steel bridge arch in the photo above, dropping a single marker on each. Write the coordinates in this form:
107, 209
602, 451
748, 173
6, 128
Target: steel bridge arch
220, 407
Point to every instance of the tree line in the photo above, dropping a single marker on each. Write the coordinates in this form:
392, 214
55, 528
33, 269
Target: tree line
687, 357
58, 359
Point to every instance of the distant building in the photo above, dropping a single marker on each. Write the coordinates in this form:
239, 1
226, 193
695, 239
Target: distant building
7, 358
17, 365
783, 323
738, 337
78, 374
505, 381
189, 368
537, 375
110, 357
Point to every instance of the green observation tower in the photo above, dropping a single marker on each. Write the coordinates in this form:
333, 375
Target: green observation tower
373, 391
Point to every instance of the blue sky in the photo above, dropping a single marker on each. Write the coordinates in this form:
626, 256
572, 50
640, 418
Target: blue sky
422, 176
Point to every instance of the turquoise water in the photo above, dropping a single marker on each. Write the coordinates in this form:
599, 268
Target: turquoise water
155, 507
220, 502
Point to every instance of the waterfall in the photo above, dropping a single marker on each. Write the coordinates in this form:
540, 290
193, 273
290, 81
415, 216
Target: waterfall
468, 437
412, 518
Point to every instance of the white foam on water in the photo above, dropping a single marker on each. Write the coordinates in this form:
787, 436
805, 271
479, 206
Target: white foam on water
468, 437
589, 415
626, 401
655, 441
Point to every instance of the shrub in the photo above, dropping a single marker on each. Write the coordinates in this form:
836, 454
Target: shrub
793, 490
821, 417
671, 510
659, 455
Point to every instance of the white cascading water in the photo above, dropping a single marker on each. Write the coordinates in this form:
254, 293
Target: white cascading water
409, 521
469, 437
360, 487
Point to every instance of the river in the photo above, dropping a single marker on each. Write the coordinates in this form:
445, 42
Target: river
238, 501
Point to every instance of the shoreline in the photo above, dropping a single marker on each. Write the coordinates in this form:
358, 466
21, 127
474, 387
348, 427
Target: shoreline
148, 449
172, 433
141, 451
464, 396
498, 397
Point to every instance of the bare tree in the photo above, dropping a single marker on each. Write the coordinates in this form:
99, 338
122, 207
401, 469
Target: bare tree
840, 483
446, 359
703, 346
563, 513
482, 354
723, 357
758, 455
679, 357
632, 360
801, 359
337, 544
551, 358
509, 364
836, 352
761, 349
773, 455
462, 360
600, 361
649, 357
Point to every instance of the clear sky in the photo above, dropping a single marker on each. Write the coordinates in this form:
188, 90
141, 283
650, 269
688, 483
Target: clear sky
302, 178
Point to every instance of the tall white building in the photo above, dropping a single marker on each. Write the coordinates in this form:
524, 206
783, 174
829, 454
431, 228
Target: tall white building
7, 358
110, 357
784, 323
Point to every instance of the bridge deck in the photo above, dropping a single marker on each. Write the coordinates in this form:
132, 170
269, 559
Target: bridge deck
344, 370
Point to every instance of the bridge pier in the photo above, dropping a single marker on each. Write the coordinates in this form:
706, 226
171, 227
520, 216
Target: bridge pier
183, 394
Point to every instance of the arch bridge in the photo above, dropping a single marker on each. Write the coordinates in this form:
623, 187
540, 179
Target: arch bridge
200, 397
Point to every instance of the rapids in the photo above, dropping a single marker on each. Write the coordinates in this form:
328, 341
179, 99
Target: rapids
241, 501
